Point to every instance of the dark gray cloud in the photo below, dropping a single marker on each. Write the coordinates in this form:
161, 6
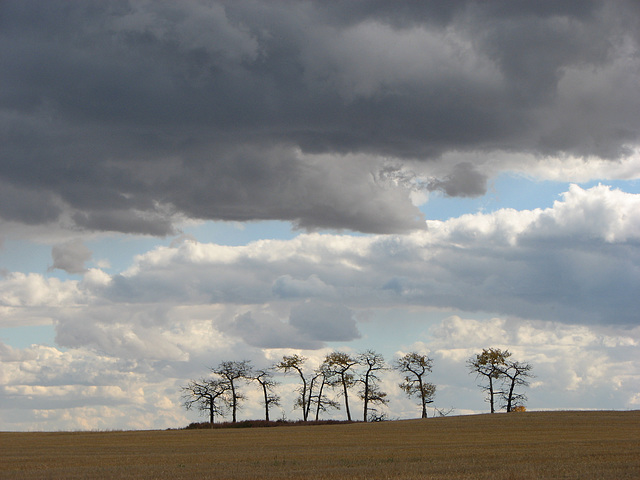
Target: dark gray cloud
70, 256
26, 205
464, 181
129, 115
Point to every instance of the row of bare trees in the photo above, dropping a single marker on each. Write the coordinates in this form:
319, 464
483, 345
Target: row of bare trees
341, 373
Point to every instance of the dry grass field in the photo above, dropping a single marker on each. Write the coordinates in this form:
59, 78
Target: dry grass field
536, 445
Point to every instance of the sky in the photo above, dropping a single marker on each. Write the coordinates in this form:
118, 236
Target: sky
186, 183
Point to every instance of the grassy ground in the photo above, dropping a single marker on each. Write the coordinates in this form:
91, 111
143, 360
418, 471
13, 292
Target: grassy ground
536, 445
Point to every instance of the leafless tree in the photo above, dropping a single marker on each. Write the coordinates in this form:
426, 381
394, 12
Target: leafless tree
295, 363
338, 366
415, 367
490, 365
265, 379
231, 373
372, 363
206, 395
515, 374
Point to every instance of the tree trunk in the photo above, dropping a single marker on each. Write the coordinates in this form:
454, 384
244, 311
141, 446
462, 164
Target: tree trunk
510, 397
319, 401
423, 400
305, 402
346, 398
366, 396
234, 402
266, 402
491, 394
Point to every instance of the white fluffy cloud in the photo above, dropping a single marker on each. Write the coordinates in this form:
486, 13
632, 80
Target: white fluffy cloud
561, 284
576, 262
43, 387
33, 290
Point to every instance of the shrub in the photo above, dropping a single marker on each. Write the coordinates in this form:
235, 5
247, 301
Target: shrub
261, 423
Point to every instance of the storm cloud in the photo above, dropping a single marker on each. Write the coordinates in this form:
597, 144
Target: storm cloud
132, 116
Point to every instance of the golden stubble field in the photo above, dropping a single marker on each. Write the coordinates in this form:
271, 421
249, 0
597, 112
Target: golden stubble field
536, 445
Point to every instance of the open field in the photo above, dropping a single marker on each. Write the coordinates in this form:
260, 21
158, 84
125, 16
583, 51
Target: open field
536, 445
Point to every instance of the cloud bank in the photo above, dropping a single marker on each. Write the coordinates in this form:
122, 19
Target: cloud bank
132, 116
576, 262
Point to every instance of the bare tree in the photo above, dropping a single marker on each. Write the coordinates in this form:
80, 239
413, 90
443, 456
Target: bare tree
490, 365
415, 367
295, 363
515, 374
317, 393
338, 366
205, 395
267, 384
232, 372
370, 393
